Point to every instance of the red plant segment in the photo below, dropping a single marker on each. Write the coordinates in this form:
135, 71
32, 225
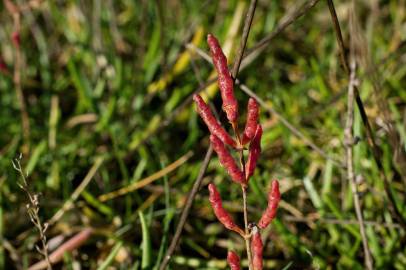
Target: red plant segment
274, 196
252, 121
233, 260
15, 37
240, 174
222, 215
213, 125
256, 248
254, 152
226, 83
227, 160
3, 66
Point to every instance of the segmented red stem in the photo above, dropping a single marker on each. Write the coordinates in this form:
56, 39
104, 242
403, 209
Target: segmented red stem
225, 82
254, 152
256, 249
252, 121
233, 260
222, 215
227, 161
211, 122
274, 196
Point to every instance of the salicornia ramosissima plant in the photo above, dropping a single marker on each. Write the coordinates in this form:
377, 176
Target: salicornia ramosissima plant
240, 173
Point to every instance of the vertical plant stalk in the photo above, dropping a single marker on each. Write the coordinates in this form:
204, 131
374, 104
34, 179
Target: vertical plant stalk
234, 73
246, 238
244, 38
376, 152
25, 123
186, 209
349, 143
33, 212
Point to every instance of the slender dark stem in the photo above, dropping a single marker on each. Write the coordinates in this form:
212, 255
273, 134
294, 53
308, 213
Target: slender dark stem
290, 126
186, 209
393, 208
243, 43
339, 36
287, 20
349, 142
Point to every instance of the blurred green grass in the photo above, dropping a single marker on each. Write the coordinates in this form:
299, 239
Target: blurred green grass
89, 67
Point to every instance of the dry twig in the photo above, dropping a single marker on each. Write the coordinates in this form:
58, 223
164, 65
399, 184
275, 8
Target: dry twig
33, 211
14, 11
349, 142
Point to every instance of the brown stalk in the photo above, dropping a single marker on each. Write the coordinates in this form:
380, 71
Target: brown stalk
186, 209
342, 222
376, 151
33, 212
349, 143
291, 16
15, 14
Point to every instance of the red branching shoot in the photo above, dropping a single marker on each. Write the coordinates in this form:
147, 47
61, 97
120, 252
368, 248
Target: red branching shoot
213, 125
222, 215
242, 172
251, 122
227, 161
274, 196
256, 248
254, 152
225, 82
233, 260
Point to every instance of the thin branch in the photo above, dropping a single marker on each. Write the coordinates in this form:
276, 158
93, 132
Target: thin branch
341, 221
246, 238
290, 126
349, 142
14, 11
186, 209
33, 212
376, 152
339, 36
244, 38
290, 17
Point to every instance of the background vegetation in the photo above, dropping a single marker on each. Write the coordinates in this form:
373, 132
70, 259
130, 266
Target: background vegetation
105, 85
